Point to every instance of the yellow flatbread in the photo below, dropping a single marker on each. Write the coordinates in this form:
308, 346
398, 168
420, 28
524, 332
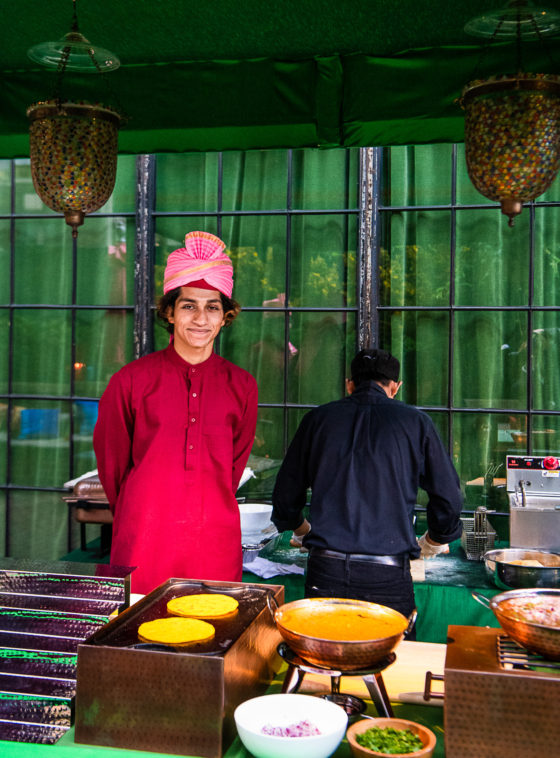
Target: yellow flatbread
204, 606
175, 631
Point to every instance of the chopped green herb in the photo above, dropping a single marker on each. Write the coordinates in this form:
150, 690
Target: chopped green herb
389, 740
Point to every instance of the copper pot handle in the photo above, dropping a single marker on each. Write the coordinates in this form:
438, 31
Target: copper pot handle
481, 599
411, 622
272, 604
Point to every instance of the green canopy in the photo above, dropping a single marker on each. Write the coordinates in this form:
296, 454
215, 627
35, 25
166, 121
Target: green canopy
244, 74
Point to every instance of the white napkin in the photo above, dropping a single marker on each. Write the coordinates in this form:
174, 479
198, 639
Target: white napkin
247, 474
265, 568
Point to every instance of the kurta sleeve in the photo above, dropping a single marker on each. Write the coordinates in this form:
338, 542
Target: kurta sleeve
442, 484
112, 436
244, 435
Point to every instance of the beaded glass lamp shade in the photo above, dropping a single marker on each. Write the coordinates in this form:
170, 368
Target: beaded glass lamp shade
512, 137
73, 151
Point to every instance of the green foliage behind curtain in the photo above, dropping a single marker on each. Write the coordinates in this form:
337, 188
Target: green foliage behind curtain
48, 431
456, 285
472, 275
282, 263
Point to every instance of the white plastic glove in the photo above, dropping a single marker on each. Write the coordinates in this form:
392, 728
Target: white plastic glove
429, 550
296, 539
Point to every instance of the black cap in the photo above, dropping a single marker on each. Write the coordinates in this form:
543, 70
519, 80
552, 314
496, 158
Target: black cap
374, 364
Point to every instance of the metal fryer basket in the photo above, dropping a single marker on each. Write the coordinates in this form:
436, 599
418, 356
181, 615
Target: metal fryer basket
478, 535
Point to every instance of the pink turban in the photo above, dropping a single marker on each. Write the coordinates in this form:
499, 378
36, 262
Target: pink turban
202, 258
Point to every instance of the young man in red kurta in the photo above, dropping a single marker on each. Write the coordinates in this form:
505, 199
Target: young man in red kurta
175, 430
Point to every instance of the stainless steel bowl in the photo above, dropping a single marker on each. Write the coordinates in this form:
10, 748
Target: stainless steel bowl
511, 576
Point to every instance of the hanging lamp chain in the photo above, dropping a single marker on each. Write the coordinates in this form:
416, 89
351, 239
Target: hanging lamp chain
518, 45
62, 64
520, 6
486, 46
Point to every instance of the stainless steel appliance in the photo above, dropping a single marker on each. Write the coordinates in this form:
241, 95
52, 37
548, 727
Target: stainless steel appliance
533, 486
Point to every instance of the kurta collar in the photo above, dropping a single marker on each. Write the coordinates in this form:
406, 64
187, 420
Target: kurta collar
172, 355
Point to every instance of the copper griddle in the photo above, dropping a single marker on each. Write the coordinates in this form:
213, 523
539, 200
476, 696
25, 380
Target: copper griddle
123, 632
176, 699
494, 711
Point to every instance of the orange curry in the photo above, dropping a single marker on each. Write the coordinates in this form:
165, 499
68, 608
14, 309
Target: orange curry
340, 623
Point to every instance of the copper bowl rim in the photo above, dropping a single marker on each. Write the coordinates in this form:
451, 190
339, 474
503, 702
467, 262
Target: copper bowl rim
515, 82
306, 602
496, 601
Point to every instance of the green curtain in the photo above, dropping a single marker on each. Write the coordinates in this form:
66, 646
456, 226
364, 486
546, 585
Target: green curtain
451, 278
282, 261
65, 341
471, 273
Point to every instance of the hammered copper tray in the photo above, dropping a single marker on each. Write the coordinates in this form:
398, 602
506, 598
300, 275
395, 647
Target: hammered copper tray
38, 734
46, 610
66, 579
123, 630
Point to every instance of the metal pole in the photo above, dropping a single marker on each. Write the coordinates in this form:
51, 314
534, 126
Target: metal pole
144, 255
368, 253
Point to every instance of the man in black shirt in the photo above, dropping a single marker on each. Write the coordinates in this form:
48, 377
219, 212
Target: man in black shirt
364, 458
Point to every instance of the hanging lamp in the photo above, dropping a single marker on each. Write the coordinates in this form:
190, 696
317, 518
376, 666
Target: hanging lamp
73, 144
512, 121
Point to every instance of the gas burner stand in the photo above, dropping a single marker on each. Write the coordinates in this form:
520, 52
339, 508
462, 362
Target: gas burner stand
372, 677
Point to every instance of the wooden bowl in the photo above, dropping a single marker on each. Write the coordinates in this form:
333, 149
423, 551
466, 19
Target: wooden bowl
426, 735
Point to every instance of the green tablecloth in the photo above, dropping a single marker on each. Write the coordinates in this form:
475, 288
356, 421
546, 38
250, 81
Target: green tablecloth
430, 716
443, 598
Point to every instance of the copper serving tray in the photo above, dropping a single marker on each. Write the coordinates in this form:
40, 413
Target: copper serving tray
179, 700
46, 610
123, 630
493, 711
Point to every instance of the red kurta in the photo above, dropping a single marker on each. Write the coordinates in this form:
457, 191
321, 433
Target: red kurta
172, 440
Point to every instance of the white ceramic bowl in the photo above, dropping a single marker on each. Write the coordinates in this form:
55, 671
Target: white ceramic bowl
254, 517
283, 710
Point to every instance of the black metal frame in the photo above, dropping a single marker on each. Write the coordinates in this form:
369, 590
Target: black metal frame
371, 214
145, 216
384, 212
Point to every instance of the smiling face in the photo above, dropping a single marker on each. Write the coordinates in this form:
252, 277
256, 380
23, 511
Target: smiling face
197, 318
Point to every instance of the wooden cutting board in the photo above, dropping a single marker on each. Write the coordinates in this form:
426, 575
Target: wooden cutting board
418, 570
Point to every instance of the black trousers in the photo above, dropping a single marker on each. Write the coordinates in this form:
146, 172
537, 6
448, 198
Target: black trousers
361, 580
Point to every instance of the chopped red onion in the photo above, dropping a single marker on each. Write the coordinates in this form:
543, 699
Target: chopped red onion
301, 729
